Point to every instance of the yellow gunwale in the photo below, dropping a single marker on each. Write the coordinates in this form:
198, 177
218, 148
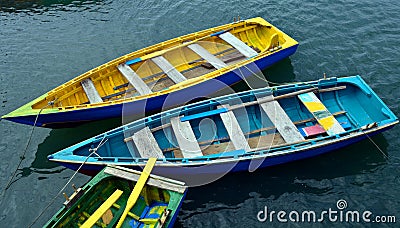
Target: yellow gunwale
73, 85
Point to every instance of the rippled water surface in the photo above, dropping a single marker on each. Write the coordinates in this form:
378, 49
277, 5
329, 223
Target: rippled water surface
44, 43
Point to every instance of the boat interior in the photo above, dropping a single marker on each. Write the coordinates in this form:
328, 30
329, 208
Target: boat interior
237, 126
150, 71
113, 193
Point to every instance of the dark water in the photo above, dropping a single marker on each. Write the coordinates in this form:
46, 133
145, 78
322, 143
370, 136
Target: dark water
45, 43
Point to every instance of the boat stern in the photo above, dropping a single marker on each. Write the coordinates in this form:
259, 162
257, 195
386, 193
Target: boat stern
371, 108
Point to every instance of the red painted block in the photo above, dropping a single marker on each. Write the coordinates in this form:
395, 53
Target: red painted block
312, 130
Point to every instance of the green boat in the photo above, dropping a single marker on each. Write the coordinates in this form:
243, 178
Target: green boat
104, 200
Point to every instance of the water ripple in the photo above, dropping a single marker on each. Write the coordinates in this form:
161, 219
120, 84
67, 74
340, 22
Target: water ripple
44, 43
30, 7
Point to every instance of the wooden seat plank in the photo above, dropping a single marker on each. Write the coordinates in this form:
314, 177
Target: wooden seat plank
321, 113
186, 138
238, 44
234, 131
281, 120
134, 79
147, 144
156, 181
212, 59
91, 92
170, 70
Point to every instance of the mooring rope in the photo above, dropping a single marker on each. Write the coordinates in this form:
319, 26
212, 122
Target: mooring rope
271, 82
22, 157
93, 151
376, 145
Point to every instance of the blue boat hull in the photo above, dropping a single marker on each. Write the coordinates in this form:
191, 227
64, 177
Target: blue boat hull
140, 107
187, 173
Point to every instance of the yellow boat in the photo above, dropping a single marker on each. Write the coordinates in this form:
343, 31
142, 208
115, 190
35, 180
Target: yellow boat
161, 76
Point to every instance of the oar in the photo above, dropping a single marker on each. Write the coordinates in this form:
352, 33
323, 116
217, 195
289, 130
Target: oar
292, 94
260, 101
161, 52
137, 189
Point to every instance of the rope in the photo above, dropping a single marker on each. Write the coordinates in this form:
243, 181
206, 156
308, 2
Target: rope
22, 157
271, 82
69, 181
376, 145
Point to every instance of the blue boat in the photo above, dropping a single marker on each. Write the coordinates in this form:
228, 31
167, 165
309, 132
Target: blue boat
161, 76
239, 132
